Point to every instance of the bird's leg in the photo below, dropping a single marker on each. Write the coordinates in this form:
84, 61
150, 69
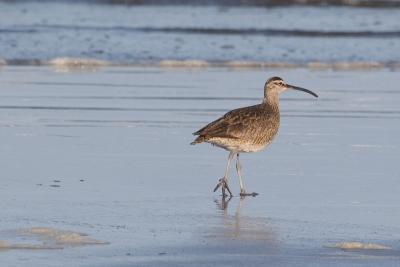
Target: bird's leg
223, 182
242, 191
238, 167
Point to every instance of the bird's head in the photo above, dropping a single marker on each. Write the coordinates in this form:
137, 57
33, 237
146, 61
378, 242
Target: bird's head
276, 85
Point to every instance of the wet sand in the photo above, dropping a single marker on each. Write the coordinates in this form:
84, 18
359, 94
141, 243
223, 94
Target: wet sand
106, 153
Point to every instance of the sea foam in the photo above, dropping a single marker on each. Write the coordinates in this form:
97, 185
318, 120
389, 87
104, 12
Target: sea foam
359, 246
46, 238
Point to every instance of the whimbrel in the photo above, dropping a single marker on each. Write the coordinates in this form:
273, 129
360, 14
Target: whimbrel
247, 129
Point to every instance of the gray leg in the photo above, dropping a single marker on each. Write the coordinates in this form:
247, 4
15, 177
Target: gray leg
242, 191
238, 168
223, 182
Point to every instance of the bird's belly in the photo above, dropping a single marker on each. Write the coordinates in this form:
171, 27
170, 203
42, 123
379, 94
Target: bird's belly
237, 145
253, 147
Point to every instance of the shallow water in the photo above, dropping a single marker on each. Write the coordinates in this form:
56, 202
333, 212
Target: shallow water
107, 153
36, 32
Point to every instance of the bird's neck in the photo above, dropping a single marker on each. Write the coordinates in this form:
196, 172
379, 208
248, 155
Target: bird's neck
272, 100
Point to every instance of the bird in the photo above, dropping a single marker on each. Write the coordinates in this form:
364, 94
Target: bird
247, 129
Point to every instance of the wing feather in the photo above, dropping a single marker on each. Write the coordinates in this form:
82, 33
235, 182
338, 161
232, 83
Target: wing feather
236, 123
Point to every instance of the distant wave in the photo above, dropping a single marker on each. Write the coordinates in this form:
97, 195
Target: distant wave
66, 64
209, 31
272, 32
358, 246
17, 30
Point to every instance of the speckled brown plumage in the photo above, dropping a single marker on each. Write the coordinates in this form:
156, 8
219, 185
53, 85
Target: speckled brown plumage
245, 129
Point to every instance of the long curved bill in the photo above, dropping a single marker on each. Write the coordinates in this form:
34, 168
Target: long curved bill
301, 89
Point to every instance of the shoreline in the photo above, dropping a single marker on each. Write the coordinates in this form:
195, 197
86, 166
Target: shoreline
82, 63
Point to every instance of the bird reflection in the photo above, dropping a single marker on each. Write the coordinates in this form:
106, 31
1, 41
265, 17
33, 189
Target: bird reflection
223, 204
237, 226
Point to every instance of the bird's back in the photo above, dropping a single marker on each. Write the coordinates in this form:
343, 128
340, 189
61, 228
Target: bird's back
245, 129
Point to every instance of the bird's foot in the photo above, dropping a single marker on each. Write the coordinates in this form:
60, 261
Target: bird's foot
244, 194
223, 183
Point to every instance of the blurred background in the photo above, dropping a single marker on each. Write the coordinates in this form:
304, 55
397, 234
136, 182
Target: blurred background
346, 33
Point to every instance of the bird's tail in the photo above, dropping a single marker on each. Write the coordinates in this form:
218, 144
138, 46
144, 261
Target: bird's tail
198, 140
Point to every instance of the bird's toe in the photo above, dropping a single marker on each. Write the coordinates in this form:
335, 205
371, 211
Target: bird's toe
224, 186
244, 194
